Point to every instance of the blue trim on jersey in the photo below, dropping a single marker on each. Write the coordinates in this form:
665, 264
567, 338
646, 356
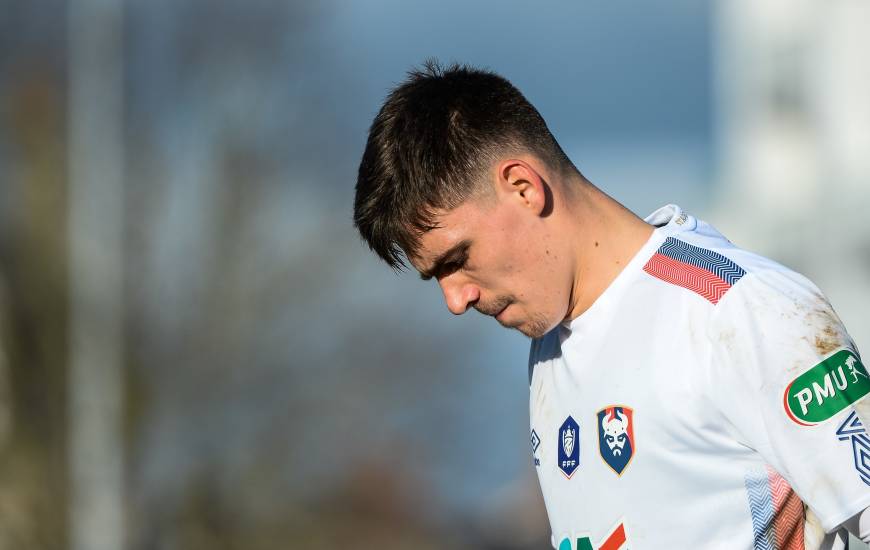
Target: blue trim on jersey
761, 508
713, 262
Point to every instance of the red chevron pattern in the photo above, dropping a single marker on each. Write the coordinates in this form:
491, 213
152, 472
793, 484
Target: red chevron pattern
696, 279
788, 518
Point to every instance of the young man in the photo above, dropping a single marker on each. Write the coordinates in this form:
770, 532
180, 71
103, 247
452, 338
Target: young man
685, 393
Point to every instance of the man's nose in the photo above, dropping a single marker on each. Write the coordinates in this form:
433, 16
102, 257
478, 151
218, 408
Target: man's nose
459, 295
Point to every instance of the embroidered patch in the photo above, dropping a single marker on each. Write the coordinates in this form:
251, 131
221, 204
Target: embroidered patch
616, 436
702, 271
569, 447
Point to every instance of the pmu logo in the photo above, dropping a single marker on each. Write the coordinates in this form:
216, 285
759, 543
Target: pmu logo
826, 389
569, 447
616, 437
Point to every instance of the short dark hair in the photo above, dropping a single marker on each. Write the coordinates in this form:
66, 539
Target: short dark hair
430, 146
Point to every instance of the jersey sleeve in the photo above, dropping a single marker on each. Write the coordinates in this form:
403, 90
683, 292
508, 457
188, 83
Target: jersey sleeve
788, 378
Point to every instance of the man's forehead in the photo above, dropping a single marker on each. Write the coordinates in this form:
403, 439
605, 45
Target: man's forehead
444, 231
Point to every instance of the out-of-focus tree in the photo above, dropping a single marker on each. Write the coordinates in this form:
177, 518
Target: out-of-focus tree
33, 308
272, 400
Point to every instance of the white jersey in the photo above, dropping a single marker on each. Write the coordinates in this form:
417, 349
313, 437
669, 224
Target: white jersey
709, 398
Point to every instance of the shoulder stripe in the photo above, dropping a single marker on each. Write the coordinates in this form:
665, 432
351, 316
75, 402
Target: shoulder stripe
702, 271
713, 262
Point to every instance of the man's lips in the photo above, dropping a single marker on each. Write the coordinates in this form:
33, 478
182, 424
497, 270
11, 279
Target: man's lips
500, 313
494, 309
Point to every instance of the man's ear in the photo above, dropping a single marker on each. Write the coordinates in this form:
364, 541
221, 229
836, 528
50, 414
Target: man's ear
520, 181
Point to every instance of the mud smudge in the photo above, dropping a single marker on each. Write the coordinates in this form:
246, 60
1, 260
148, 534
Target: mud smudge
829, 335
827, 341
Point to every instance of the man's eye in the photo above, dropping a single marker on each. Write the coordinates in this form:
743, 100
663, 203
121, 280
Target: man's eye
451, 267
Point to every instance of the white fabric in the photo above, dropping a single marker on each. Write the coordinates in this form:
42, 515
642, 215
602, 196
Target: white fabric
705, 382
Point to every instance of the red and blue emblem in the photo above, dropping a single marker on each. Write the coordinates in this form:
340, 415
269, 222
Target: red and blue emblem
569, 447
616, 437
702, 271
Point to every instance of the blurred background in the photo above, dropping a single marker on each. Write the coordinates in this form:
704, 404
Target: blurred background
196, 351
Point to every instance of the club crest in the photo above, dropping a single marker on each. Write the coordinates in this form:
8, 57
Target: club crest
569, 447
616, 437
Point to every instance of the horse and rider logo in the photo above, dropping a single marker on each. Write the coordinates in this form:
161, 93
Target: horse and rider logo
616, 437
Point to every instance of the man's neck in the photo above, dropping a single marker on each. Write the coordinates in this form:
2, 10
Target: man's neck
609, 236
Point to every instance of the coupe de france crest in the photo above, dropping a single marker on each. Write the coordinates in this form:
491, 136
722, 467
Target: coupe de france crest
616, 437
569, 447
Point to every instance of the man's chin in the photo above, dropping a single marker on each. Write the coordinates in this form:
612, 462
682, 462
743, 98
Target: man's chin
533, 328
530, 329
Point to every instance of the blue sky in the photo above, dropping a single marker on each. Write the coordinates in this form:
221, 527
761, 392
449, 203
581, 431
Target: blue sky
625, 87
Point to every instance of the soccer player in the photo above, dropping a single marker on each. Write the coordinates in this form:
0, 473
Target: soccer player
684, 393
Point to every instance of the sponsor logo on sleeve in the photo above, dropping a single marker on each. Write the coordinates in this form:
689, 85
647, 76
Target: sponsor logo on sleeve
852, 429
616, 436
569, 447
826, 389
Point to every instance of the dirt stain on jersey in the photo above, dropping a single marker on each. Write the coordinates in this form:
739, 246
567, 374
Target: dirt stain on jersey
726, 338
827, 341
829, 334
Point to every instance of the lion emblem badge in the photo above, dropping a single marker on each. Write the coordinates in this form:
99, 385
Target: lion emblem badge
616, 437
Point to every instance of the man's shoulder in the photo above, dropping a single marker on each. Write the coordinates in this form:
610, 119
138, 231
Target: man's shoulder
741, 287
703, 261
749, 274
706, 237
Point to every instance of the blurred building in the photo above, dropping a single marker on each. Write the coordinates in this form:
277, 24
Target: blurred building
792, 133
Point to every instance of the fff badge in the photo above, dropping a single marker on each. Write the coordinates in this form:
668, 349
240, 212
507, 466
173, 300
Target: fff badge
569, 447
616, 437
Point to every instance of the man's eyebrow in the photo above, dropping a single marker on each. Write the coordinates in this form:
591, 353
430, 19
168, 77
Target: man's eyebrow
452, 253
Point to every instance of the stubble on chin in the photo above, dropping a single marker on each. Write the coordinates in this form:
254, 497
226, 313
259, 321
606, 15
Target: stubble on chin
536, 327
